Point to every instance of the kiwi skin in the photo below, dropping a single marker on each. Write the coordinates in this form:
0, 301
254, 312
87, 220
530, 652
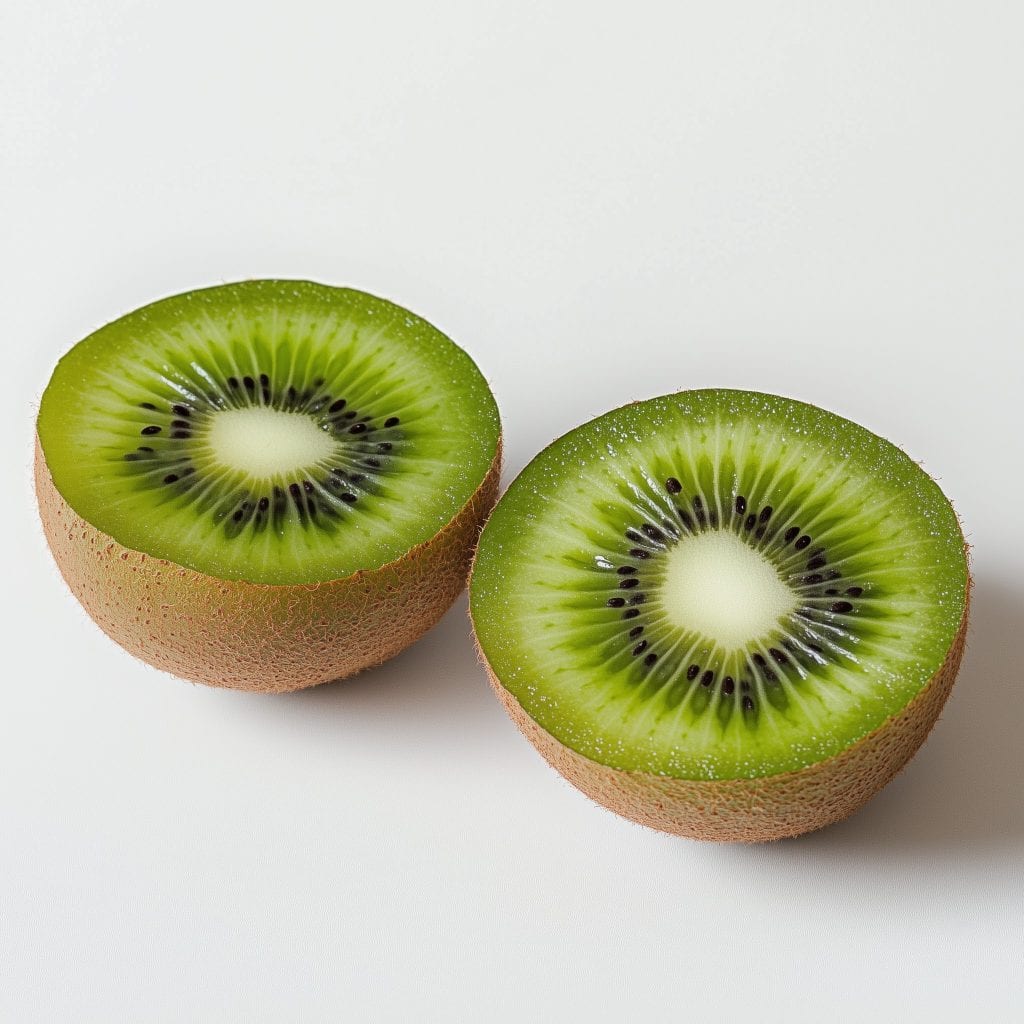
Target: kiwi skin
759, 809
260, 637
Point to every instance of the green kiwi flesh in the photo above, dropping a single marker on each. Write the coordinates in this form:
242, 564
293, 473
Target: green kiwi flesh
718, 585
276, 432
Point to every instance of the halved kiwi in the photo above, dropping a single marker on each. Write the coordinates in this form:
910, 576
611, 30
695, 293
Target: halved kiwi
723, 614
266, 485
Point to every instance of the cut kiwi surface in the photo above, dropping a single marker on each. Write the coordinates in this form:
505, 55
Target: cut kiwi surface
722, 613
314, 461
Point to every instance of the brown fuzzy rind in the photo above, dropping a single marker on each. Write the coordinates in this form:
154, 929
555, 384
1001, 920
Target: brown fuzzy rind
754, 810
251, 636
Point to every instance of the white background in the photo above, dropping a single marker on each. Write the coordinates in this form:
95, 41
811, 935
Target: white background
600, 203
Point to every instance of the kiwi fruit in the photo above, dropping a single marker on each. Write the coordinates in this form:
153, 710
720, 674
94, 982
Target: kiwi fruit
723, 614
266, 485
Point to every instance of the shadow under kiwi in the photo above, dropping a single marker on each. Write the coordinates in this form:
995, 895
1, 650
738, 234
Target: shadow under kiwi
960, 798
435, 687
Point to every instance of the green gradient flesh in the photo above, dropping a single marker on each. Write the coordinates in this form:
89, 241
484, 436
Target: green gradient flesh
549, 561
112, 439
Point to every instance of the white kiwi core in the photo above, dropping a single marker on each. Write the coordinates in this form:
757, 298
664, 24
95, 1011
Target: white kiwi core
263, 442
718, 586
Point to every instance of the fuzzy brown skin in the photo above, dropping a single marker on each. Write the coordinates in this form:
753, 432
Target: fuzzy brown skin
754, 810
251, 636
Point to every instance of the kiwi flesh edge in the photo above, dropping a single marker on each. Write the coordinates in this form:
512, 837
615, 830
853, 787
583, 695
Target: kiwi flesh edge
260, 637
759, 809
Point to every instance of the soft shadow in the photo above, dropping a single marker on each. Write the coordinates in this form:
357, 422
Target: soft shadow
437, 680
961, 797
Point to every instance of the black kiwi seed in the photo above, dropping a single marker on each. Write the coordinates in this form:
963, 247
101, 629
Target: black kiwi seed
639, 553
791, 534
842, 607
628, 584
672, 485
144, 448
802, 542
181, 434
778, 655
307, 486
357, 428
741, 504
813, 578
392, 421
650, 659
357, 478
616, 602
183, 424
181, 410
685, 518
337, 406
150, 430
638, 599
626, 570
640, 648
233, 383
817, 562
634, 536
854, 591
384, 446
372, 463
692, 672
132, 457
708, 678
698, 509
745, 686
728, 685
635, 631
250, 384
349, 498
760, 659
766, 513
748, 704
748, 523
264, 503
759, 532
171, 478
147, 405
653, 532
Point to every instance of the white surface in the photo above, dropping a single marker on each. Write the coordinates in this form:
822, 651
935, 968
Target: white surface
600, 204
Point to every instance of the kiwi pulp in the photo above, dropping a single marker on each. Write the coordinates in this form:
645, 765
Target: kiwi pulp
723, 614
269, 484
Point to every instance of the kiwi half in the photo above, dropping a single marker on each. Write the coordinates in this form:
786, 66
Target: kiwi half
266, 485
723, 614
